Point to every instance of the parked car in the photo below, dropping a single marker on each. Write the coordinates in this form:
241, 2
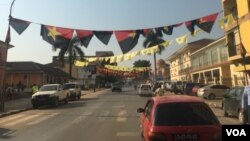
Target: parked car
116, 87
188, 87
145, 89
49, 94
196, 87
231, 104
74, 89
176, 118
178, 87
213, 91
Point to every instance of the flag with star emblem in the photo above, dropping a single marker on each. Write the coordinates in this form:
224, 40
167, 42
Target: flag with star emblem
103, 36
56, 36
127, 39
19, 25
205, 23
85, 36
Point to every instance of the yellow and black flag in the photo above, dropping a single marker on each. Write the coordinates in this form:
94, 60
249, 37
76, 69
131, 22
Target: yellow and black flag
56, 36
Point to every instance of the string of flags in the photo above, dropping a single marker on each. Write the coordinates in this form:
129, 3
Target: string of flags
127, 40
124, 68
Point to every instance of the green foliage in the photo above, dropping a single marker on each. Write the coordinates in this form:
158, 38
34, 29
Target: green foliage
142, 63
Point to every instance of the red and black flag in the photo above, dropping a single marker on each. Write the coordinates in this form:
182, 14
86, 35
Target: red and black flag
127, 39
19, 25
57, 36
85, 36
168, 30
205, 23
103, 36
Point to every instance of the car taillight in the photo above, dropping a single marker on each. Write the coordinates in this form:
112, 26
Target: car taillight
156, 136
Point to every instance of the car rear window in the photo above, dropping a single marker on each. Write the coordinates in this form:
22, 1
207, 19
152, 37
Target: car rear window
185, 113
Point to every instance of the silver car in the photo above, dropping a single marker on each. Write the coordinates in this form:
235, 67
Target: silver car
213, 91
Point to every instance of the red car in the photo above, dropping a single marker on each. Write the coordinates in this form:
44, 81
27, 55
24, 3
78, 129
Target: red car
178, 118
195, 89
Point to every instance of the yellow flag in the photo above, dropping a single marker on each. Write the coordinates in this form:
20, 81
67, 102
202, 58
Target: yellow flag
127, 57
119, 58
182, 39
136, 53
226, 21
113, 59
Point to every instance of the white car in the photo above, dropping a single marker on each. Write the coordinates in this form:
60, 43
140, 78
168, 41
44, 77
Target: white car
212, 91
49, 94
145, 89
74, 89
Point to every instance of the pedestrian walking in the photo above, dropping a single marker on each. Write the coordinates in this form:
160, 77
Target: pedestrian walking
246, 104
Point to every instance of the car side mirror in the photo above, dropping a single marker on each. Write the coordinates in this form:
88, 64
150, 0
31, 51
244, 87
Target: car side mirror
140, 110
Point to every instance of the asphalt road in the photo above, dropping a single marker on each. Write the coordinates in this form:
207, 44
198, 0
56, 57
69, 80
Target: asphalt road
102, 116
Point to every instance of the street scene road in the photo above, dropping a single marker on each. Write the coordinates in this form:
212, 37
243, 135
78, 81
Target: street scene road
103, 115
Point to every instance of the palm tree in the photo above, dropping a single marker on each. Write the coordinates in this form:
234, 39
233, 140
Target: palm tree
152, 39
74, 52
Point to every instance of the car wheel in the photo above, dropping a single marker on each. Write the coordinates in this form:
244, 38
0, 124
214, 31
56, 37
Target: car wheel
56, 102
211, 96
224, 111
35, 106
241, 117
66, 100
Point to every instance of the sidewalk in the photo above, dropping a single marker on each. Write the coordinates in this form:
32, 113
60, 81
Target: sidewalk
22, 102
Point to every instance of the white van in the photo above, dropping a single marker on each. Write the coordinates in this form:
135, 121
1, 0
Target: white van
74, 89
145, 89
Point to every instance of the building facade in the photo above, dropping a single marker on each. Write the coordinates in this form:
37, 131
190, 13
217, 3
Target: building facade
210, 65
180, 62
237, 37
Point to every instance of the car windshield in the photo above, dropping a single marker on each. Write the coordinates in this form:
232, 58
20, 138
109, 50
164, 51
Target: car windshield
48, 88
173, 114
68, 86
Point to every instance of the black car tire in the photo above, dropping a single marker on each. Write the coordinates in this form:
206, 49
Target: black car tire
56, 102
241, 117
224, 111
66, 100
211, 96
35, 106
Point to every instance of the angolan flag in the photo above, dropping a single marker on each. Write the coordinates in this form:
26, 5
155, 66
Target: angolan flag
205, 23
85, 36
127, 39
56, 36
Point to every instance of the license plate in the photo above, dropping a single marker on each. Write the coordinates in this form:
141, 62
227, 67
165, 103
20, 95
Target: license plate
186, 137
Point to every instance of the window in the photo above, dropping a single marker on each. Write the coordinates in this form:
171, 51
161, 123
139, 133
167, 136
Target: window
148, 108
185, 113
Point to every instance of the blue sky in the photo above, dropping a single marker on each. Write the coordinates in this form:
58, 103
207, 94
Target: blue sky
103, 15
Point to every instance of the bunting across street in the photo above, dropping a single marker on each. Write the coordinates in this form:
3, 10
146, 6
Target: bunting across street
127, 39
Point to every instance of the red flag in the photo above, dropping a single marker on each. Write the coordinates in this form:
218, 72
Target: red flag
205, 23
85, 36
57, 36
127, 39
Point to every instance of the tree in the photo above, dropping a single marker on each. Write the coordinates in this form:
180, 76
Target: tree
73, 51
142, 63
152, 39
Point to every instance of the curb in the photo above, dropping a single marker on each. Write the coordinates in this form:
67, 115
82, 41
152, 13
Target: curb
4, 114
13, 112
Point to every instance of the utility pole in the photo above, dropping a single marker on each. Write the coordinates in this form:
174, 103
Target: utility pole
2, 92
